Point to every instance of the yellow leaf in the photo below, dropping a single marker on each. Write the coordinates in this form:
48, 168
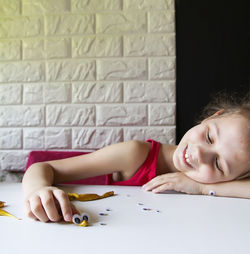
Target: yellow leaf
89, 197
4, 213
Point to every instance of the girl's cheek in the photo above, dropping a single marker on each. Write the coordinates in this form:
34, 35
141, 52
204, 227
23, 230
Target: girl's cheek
195, 135
205, 177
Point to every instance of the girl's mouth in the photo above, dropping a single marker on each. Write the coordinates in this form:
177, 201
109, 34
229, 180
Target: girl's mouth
185, 157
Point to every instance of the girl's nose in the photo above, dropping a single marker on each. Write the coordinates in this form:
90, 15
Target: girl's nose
203, 155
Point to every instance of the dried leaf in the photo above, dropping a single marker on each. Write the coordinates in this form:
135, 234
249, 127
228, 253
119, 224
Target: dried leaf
2, 204
89, 197
4, 213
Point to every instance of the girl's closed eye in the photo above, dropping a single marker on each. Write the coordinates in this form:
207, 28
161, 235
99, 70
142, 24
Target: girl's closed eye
217, 165
209, 139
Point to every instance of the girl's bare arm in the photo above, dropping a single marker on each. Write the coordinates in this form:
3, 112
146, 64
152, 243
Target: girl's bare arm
180, 182
42, 199
235, 189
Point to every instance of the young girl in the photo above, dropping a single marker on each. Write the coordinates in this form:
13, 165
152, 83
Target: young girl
212, 158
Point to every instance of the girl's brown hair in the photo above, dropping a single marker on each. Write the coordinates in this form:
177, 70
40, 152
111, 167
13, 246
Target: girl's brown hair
229, 103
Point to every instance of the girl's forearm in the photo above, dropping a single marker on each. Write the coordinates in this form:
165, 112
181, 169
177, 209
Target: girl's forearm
37, 176
235, 189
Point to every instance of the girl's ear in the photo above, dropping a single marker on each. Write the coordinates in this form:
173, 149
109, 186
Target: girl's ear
220, 112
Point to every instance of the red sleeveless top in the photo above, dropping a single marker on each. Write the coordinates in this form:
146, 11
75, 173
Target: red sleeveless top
145, 173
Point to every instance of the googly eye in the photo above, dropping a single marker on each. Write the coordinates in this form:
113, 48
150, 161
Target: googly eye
85, 216
77, 219
211, 193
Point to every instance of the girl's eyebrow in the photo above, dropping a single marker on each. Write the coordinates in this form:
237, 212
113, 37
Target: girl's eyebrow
225, 166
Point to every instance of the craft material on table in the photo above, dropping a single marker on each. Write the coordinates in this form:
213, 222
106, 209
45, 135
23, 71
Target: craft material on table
4, 213
83, 219
182, 218
89, 196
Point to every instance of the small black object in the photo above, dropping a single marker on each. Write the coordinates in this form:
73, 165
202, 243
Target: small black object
85, 217
77, 220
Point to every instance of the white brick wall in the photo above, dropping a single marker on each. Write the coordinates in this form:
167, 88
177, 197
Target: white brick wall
79, 75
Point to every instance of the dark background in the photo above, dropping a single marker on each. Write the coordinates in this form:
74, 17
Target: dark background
212, 48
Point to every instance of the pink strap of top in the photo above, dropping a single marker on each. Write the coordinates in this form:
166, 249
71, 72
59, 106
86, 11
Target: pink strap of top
145, 173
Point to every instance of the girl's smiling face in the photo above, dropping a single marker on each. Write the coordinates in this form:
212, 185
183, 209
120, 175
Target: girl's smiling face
216, 150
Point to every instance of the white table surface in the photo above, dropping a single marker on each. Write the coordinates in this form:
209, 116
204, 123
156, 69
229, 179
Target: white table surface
185, 224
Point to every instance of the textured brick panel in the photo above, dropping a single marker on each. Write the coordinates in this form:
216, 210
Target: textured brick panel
33, 94
57, 93
71, 70
83, 74
97, 92
33, 49
148, 45
21, 71
58, 48
10, 138
162, 68
14, 27
162, 22
162, 114
68, 115
69, 24
122, 69
89, 138
57, 138
95, 5
149, 92
149, 5
10, 94
97, 46
33, 138
117, 115
10, 7
13, 160
162, 134
21, 116
10, 50
126, 22
31, 7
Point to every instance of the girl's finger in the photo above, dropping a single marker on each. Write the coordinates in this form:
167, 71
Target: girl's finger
49, 206
27, 210
64, 203
149, 185
163, 187
37, 209
155, 182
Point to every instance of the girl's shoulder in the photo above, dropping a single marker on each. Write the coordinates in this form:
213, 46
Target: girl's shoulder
137, 148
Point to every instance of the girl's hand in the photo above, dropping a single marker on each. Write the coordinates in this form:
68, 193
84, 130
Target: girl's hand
49, 204
173, 181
